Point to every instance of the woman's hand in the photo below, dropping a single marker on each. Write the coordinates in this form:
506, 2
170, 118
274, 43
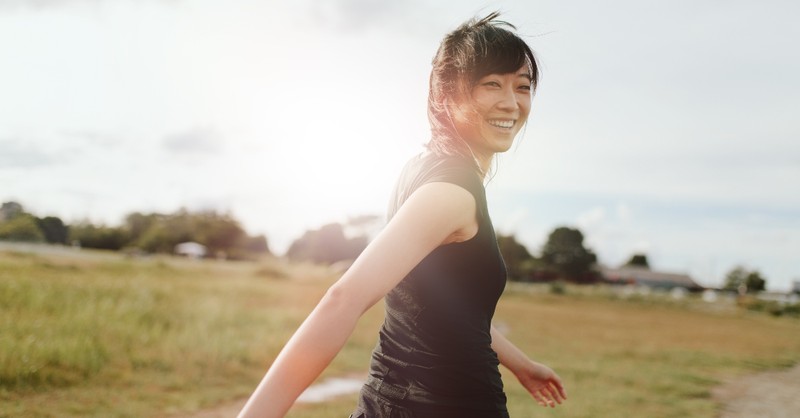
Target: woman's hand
541, 381
543, 384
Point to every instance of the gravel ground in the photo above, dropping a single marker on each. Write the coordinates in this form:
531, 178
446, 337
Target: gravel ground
763, 395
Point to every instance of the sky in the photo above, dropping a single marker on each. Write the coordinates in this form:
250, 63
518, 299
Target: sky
668, 128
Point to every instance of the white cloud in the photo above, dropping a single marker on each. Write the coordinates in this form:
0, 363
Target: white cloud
624, 212
194, 141
592, 218
19, 153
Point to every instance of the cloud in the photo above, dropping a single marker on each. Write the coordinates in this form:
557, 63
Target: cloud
353, 15
410, 18
40, 5
624, 212
199, 141
16, 153
592, 218
94, 139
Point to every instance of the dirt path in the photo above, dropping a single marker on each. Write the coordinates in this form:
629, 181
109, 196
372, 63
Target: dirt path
773, 394
763, 395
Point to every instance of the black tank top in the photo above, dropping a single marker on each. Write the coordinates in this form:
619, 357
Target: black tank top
434, 349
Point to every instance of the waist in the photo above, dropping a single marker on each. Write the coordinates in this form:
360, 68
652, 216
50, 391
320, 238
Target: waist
438, 381
427, 404
433, 339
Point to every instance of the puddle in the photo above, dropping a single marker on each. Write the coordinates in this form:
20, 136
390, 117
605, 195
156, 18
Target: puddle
331, 388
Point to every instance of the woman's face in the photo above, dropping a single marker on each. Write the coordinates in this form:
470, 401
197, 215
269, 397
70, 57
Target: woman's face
498, 107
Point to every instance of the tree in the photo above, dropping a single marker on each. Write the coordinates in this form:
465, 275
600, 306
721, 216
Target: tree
10, 210
100, 237
638, 260
515, 256
21, 228
54, 230
138, 223
564, 250
743, 280
256, 244
219, 232
327, 245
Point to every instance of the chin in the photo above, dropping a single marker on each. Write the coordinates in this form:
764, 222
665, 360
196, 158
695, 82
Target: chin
504, 146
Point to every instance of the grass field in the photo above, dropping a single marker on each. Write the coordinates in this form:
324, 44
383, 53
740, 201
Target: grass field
86, 333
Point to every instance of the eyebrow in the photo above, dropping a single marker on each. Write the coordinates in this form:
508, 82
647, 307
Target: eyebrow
528, 76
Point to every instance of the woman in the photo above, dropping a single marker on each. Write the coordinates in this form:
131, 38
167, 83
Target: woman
436, 262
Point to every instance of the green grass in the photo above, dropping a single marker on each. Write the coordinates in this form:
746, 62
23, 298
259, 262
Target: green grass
96, 334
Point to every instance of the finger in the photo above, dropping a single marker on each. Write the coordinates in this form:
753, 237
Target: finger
548, 395
547, 398
559, 392
550, 402
560, 387
552, 394
539, 398
553, 400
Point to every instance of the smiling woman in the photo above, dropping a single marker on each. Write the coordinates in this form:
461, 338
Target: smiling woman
437, 262
495, 112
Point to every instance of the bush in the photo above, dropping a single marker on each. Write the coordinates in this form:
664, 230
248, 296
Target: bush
771, 307
100, 237
558, 287
21, 228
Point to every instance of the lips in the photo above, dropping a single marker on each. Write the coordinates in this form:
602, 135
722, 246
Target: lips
502, 123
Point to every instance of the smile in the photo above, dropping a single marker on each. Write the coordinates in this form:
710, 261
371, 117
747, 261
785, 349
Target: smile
502, 123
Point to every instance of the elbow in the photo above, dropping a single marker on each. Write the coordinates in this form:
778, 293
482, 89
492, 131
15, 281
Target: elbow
345, 300
342, 301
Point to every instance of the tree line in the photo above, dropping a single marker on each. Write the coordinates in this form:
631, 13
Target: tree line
220, 233
563, 256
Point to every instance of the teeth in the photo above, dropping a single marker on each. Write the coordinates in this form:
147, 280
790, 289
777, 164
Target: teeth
507, 124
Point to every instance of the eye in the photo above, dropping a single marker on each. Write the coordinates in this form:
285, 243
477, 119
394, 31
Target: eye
525, 87
491, 84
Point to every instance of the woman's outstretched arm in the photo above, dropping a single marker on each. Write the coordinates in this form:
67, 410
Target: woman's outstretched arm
435, 214
541, 381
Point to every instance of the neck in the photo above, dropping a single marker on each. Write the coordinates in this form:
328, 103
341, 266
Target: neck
484, 162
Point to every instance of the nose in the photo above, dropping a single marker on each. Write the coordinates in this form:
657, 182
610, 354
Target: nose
508, 100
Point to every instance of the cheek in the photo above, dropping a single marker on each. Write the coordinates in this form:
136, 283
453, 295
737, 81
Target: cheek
482, 103
470, 114
525, 107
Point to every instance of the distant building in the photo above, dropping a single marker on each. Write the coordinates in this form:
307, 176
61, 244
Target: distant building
779, 297
191, 249
642, 276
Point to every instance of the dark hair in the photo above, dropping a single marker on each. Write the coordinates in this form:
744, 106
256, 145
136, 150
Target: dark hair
474, 50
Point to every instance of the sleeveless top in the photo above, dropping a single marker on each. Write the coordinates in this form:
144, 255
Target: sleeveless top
434, 348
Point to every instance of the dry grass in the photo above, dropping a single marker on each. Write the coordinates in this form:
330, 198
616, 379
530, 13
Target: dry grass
96, 334
632, 358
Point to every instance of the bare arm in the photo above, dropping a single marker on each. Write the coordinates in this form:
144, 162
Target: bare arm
541, 381
435, 214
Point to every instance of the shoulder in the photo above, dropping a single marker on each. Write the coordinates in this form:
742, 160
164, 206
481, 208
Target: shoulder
442, 206
438, 191
450, 168
431, 168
